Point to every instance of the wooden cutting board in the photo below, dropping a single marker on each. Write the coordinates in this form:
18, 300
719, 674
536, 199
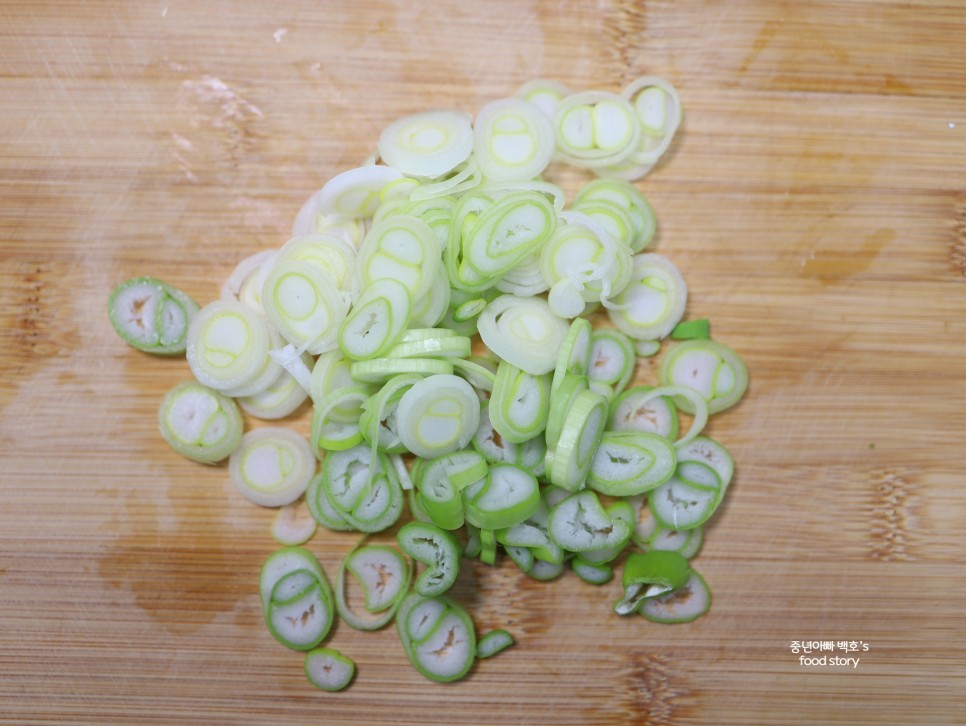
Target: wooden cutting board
815, 200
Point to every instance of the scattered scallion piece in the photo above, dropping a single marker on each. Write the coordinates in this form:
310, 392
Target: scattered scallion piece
328, 670
151, 315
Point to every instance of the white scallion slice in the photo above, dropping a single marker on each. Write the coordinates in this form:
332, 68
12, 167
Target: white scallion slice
438, 416
506, 233
712, 369
514, 140
376, 321
382, 574
507, 496
281, 398
629, 198
272, 467
631, 462
328, 670
683, 605
612, 362
493, 642
579, 523
596, 128
545, 94
304, 304
401, 248
245, 283
151, 315
634, 410
427, 144
519, 404
228, 346
573, 454
330, 252
199, 423
523, 331
653, 302
357, 192
658, 109
293, 525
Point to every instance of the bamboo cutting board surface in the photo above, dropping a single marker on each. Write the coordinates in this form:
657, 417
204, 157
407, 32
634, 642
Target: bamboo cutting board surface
815, 200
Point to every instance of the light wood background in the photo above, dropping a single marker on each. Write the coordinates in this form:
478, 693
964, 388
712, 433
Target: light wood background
815, 199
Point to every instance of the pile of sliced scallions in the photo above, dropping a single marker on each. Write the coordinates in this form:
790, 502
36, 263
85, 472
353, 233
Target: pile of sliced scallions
434, 304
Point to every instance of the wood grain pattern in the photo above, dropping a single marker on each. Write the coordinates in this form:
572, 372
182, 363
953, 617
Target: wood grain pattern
815, 201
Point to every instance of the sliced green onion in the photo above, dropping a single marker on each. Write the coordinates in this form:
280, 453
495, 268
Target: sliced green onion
612, 362
228, 346
462, 179
438, 550
635, 410
432, 307
619, 510
330, 435
658, 109
427, 144
591, 572
684, 605
523, 332
649, 575
545, 571
379, 423
561, 401
304, 304
493, 642
579, 523
328, 669
440, 482
321, 509
692, 329
513, 139
363, 489
380, 370
654, 300
532, 535
245, 283
596, 128
357, 192
479, 371
199, 423
280, 399
376, 320
574, 355
438, 637
384, 577
296, 598
647, 348
629, 198
506, 232
582, 431
519, 404
438, 416
272, 467
678, 504
507, 496
544, 93
294, 524
328, 251
713, 454
400, 248
685, 542
712, 369
631, 462
151, 315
